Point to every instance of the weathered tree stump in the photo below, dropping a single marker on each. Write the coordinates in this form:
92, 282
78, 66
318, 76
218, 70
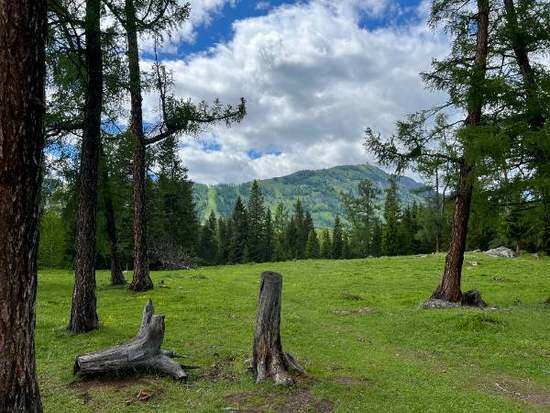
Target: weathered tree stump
141, 353
269, 360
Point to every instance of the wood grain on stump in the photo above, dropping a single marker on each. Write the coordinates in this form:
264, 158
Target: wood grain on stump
141, 353
269, 360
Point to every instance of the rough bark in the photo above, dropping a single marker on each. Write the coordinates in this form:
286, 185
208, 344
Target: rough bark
449, 289
141, 280
83, 310
141, 353
268, 359
22, 108
117, 277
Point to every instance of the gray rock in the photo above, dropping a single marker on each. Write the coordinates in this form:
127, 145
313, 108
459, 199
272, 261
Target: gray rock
502, 252
437, 303
473, 298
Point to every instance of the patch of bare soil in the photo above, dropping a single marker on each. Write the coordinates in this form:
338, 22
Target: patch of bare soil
297, 400
113, 382
148, 387
356, 311
221, 369
522, 390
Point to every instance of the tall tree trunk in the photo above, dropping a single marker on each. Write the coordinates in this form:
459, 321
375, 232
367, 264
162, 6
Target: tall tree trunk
117, 278
535, 113
141, 280
83, 310
22, 108
449, 289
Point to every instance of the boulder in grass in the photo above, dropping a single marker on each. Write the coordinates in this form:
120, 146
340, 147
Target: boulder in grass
473, 298
501, 252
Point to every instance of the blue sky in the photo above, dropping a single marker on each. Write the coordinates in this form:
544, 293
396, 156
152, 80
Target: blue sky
315, 74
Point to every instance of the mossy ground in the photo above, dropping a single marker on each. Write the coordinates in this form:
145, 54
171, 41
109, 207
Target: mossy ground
355, 325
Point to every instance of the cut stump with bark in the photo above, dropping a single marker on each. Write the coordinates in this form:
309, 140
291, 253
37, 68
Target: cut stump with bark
269, 360
141, 353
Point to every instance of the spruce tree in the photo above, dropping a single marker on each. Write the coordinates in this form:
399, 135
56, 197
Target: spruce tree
390, 236
337, 239
361, 214
346, 250
269, 237
313, 249
301, 228
376, 242
280, 226
256, 225
239, 236
208, 249
326, 245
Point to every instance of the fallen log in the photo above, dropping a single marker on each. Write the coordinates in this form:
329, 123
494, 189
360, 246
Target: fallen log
268, 359
141, 353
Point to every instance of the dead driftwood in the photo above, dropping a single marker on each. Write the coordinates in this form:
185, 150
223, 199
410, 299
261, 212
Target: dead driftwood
269, 360
141, 353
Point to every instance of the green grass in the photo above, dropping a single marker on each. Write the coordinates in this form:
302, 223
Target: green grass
355, 326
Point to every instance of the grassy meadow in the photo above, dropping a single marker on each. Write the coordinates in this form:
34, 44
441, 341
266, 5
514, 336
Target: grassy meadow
356, 326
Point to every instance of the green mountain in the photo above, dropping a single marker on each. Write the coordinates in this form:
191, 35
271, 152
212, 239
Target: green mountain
319, 191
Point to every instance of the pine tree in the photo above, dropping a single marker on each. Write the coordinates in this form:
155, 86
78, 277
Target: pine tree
256, 223
390, 237
313, 249
326, 245
239, 236
337, 239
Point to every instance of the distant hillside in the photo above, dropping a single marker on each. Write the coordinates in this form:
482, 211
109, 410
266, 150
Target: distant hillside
319, 191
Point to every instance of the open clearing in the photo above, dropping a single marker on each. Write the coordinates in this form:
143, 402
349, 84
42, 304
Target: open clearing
354, 325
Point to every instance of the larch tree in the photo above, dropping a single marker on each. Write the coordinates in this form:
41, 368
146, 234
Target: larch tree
83, 308
179, 116
463, 75
22, 113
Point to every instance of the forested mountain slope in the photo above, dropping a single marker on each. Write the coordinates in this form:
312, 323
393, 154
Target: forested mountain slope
318, 190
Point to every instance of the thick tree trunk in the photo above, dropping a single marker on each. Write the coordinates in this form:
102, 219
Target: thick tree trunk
22, 108
117, 278
141, 280
269, 360
449, 289
143, 352
83, 310
535, 113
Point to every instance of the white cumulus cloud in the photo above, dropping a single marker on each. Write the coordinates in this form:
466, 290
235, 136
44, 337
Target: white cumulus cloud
314, 78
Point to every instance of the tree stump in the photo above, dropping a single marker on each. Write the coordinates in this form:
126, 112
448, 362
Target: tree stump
141, 353
269, 360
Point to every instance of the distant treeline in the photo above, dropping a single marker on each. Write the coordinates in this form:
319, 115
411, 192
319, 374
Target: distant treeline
253, 232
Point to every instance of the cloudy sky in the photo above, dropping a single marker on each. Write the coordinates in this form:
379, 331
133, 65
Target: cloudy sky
314, 73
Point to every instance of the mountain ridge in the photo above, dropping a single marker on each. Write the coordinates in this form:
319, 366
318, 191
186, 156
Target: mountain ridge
319, 191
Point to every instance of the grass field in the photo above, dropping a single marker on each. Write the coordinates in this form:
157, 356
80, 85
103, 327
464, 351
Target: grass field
355, 326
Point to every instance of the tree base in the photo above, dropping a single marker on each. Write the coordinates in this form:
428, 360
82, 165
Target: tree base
141, 353
470, 298
141, 283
